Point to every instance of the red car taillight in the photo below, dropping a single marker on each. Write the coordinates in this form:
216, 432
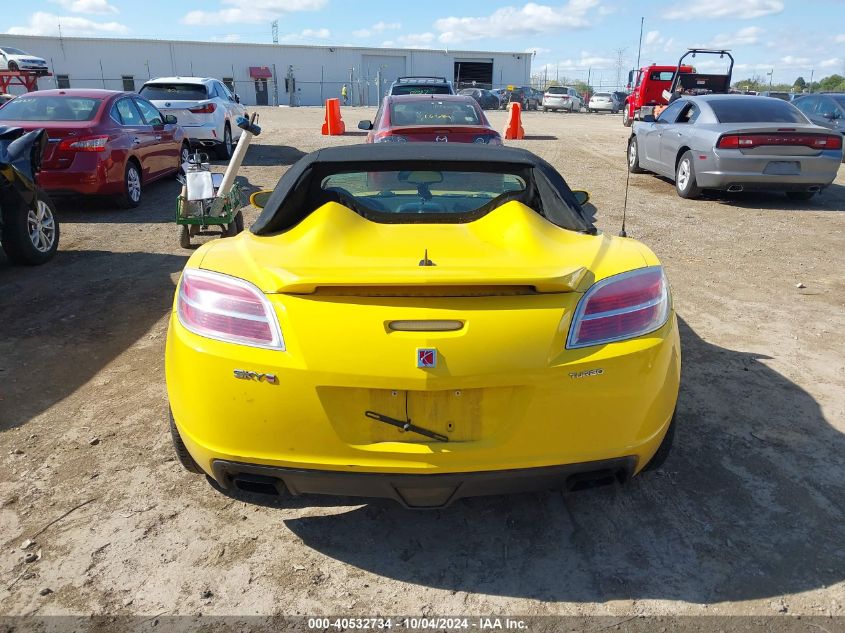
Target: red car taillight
621, 307
208, 108
750, 141
84, 144
227, 309
390, 138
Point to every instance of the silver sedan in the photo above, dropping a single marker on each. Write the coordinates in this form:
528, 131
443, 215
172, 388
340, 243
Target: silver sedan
736, 143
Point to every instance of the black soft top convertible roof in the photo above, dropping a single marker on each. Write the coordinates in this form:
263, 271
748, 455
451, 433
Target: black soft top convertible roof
546, 190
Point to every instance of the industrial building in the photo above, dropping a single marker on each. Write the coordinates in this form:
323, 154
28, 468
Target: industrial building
264, 74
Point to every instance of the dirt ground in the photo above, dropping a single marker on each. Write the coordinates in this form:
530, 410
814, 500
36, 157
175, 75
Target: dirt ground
746, 517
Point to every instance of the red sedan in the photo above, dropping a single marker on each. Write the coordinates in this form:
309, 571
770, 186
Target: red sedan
101, 142
432, 118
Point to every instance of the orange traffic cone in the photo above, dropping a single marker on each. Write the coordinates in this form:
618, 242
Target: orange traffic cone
333, 123
513, 128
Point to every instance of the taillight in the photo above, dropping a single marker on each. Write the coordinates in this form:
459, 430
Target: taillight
621, 307
750, 141
85, 144
390, 138
208, 108
227, 309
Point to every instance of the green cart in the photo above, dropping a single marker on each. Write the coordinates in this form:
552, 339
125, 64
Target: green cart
195, 217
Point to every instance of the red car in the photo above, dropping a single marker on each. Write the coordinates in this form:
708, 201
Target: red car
101, 142
432, 118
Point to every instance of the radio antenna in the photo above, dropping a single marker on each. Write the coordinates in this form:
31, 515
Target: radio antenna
623, 233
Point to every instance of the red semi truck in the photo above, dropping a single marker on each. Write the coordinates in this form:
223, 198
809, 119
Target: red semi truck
650, 86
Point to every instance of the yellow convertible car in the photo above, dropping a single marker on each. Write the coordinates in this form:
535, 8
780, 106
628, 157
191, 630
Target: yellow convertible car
422, 323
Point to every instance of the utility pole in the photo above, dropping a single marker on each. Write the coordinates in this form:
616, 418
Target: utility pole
640, 49
620, 61
811, 79
274, 26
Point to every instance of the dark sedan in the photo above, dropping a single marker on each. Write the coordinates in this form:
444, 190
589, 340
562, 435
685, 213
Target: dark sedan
101, 142
486, 99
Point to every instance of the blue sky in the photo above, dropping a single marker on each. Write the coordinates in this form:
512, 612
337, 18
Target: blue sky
788, 37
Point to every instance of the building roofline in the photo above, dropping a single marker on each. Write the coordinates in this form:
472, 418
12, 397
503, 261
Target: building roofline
327, 47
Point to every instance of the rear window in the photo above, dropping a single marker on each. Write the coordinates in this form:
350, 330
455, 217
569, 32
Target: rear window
556, 90
605, 95
174, 92
37, 108
421, 192
741, 110
420, 90
840, 99
434, 112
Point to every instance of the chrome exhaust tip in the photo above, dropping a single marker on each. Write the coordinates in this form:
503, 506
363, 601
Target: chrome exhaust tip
735, 188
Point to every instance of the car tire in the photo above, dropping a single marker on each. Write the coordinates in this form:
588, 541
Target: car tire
184, 157
626, 118
685, 183
236, 225
663, 450
545, 109
13, 67
182, 453
634, 156
31, 236
225, 149
132, 186
800, 195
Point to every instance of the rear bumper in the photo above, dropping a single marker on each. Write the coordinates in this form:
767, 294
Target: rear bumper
728, 168
420, 491
205, 135
85, 176
608, 107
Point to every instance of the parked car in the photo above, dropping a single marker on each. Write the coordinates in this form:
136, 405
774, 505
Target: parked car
736, 143
603, 102
501, 94
15, 59
826, 110
776, 95
29, 229
421, 86
486, 99
102, 142
525, 96
562, 98
206, 109
431, 331
433, 118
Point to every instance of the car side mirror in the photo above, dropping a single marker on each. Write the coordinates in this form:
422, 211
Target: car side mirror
365, 125
581, 197
170, 119
259, 199
237, 98
648, 118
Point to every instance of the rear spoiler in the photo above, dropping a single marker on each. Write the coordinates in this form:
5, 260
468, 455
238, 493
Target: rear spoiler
542, 280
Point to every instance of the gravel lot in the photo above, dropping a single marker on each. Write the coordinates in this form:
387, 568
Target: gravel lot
746, 517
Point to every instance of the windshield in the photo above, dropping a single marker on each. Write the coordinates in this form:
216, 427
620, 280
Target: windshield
174, 92
743, 110
12, 51
36, 108
421, 192
434, 112
840, 99
420, 90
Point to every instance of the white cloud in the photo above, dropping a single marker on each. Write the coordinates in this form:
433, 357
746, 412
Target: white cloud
378, 27
530, 19
833, 62
231, 37
585, 61
92, 7
743, 37
840, 39
42, 23
307, 34
737, 9
538, 50
652, 38
794, 62
251, 11
414, 40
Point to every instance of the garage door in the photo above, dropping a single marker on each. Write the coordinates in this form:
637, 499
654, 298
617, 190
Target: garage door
476, 73
391, 67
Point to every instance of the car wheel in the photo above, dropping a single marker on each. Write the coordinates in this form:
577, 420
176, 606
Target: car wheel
236, 225
132, 187
224, 150
685, 183
31, 235
626, 118
182, 453
13, 67
800, 195
663, 450
634, 156
545, 109
184, 157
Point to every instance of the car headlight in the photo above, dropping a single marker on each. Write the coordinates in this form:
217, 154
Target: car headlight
227, 309
621, 307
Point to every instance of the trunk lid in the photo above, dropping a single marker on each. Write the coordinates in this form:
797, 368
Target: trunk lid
57, 131
181, 109
451, 133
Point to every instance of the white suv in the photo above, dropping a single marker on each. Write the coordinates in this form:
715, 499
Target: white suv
561, 98
204, 108
15, 59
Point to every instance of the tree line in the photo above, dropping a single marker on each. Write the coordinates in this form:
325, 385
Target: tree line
758, 83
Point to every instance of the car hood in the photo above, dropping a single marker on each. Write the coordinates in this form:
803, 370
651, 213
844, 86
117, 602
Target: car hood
510, 247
